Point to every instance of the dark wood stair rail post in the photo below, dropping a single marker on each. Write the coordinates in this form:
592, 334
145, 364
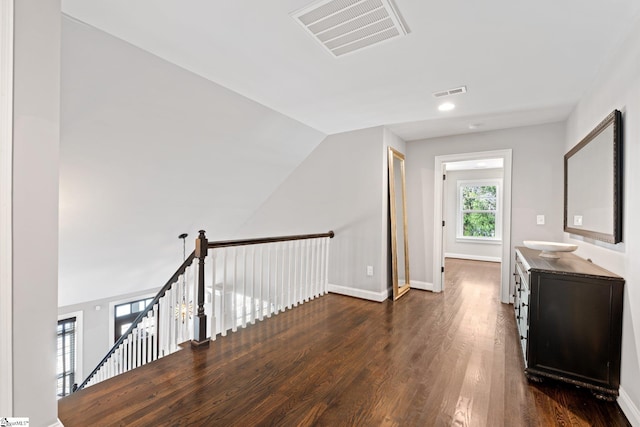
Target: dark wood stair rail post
200, 321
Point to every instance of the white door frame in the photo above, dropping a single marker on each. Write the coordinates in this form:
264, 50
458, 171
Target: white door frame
6, 184
438, 192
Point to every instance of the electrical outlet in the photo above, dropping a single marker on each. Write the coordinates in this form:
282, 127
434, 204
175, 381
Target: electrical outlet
540, 220
369, 270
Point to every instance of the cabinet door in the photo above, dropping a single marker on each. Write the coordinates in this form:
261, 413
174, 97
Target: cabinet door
570, 327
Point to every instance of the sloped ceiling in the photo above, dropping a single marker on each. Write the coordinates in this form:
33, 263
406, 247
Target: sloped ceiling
149, 151
523, 62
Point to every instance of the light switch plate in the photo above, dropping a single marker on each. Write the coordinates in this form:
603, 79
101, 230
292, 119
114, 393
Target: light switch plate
577, 220
369, 270
540, 219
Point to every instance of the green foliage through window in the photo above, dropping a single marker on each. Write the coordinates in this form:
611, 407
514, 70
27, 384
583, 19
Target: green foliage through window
479, 208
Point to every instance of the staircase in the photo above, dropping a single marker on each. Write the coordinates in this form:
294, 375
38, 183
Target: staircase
220, 287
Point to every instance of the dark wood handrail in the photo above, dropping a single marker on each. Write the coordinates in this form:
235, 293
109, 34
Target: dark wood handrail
246, 242
187, 262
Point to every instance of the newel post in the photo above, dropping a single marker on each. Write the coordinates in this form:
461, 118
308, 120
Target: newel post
200, 320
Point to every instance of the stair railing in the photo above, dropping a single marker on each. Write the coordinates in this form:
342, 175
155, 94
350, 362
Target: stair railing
250, 279
254, 278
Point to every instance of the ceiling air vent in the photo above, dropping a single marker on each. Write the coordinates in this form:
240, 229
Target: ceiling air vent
344, 26
454, 91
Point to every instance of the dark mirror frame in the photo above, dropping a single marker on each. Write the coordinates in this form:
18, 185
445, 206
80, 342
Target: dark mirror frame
615, 119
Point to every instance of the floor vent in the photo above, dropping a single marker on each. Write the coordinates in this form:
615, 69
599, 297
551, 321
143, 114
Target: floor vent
454, 91
345, 26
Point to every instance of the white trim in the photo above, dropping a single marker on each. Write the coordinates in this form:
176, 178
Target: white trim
416, 284
6, 185
358, 293
79, 341
473, 257
629, 408
58, 423
438, 192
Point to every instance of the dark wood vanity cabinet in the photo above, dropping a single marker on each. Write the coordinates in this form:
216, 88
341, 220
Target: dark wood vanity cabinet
569, 317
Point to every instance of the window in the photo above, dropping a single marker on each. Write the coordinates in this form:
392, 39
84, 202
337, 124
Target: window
479, 216
66, 365
126, 313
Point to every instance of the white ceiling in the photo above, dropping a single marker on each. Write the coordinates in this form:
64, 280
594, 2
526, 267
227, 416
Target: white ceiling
522, 62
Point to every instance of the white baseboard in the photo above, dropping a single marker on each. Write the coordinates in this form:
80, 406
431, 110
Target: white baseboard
474, 257
359, 293
416, 284
57, 424
629, 408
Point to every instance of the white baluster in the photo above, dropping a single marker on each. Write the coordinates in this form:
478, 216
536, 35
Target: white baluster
261, 284
244, 287
130, 353
253, 285
281, 301
184, 306
276, 257
319, 267
213, 321
125, 352
223, 301
296, 258
326, 265
303, 271
288, 291
162, 329
305, 282
312, 269
136, 340
145, 340
156, 325
269, 297
234, 305
314, 263
193, 300
170, 318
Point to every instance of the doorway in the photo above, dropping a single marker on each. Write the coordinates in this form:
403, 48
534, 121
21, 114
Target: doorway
501, 233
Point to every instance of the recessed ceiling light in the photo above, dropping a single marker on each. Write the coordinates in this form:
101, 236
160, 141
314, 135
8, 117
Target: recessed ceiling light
446, 106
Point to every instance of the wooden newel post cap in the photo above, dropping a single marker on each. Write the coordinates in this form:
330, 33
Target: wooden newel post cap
201, 245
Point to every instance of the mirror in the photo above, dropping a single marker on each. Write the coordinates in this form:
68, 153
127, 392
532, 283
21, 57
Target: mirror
398, 208
593, 183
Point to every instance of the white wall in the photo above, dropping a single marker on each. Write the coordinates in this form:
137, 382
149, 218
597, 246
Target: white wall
149, 151
483, 251
35, 208
618, 87
341, 186
537, 185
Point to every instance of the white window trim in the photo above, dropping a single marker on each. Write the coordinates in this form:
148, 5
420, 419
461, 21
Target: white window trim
79, 342
498, 226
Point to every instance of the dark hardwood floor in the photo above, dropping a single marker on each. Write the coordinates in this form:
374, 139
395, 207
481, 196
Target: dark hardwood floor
426, 360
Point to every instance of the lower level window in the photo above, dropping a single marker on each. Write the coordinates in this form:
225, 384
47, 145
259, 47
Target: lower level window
126, 313
66, 366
